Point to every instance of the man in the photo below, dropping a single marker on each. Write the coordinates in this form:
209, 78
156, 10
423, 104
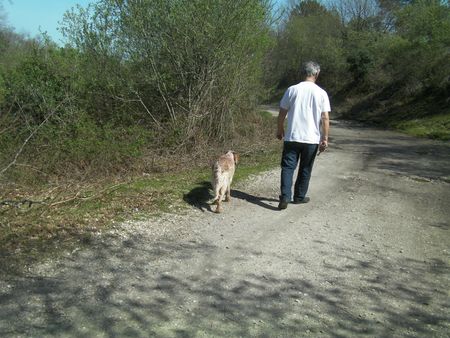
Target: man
307, 107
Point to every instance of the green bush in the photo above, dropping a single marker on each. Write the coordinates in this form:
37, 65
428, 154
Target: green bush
40, 81
187, 64
83, 145
74, 146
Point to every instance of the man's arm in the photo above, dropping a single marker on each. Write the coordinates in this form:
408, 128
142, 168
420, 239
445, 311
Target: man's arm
325, 129
281, 117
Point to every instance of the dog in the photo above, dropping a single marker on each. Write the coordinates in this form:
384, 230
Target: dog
222, 176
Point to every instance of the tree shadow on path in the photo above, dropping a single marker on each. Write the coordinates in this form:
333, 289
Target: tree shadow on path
398, 153
120, 289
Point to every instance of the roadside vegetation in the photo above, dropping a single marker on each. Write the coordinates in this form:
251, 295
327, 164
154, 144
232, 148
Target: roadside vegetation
123, 120
385, 62
37, 221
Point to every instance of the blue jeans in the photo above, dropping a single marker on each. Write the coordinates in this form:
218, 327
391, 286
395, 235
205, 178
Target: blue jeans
292, 153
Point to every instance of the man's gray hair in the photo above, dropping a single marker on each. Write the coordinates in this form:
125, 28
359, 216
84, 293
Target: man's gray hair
311, 68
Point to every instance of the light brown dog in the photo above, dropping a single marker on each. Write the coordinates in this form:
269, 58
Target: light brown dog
223, 172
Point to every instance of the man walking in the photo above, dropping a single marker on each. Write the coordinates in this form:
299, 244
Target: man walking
307, 107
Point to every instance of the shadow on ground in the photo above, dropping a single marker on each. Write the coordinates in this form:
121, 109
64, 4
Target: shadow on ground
260, 201
200, 196
399, 154
122, 290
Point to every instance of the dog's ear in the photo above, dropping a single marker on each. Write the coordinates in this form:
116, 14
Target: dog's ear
236, 157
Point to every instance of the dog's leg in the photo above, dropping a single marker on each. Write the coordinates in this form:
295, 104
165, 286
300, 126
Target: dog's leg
218, 200
216, 189
228, 193
219, 207
218, 203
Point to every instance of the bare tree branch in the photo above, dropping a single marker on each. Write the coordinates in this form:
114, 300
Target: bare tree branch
147, 110
161, 92
16, 156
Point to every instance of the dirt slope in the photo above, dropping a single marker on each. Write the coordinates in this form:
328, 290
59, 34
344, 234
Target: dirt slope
368, 256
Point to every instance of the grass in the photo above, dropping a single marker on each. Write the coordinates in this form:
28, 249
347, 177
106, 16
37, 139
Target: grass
72, 214
417, 116
435, 127
266, 114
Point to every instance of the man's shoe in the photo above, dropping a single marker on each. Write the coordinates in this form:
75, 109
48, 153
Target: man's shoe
283, 204
301, 200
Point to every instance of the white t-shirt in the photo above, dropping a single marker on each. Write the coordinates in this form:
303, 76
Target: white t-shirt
305, 103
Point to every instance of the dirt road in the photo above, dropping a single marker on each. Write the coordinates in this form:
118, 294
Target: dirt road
367, 257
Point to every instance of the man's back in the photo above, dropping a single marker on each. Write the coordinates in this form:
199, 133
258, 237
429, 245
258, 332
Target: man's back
305, 103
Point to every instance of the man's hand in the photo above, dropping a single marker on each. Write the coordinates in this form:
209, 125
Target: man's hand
280, 134
325, 119
323, 145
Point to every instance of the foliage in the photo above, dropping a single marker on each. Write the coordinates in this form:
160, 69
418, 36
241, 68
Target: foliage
134, 78
422, 59
391, 53
188, 65
39, 82
311, 32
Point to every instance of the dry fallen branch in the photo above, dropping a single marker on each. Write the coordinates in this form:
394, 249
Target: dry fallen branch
76, 196
66, 200
17, 204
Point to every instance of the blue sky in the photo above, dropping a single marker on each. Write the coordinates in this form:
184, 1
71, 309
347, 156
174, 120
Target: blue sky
33, 16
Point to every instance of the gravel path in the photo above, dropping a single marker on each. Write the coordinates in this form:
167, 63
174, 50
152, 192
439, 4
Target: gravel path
367, 257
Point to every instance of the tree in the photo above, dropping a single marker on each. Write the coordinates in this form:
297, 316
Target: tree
307, 8
420, 59
311, 32
187, 64
358, 14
